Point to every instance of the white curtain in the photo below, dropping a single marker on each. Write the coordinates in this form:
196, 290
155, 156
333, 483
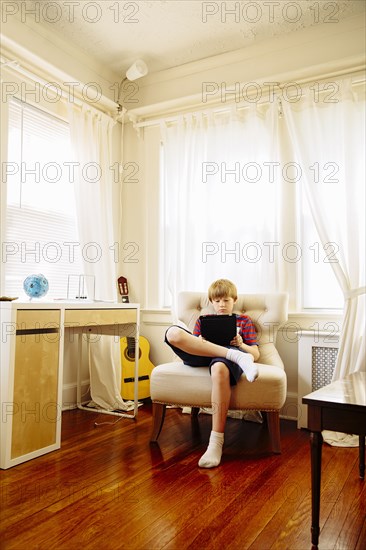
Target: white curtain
91, 137
328, 136
91, 134
222, 200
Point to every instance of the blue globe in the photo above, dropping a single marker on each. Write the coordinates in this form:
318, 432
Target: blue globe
35, 286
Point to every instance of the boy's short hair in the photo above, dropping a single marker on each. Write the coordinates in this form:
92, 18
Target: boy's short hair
222, 288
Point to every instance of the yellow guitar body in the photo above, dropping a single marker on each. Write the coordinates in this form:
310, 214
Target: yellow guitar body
128, 368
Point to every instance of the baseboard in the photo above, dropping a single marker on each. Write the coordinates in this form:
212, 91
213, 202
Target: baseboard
69, 393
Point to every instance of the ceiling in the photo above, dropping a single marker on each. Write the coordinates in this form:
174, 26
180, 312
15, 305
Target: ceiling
169, 33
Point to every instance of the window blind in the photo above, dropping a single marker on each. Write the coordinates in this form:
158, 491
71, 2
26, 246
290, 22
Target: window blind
41, 224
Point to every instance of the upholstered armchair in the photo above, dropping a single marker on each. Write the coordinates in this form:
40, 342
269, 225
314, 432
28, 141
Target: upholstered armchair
178, 384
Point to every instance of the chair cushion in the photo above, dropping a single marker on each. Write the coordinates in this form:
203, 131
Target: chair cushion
178, 384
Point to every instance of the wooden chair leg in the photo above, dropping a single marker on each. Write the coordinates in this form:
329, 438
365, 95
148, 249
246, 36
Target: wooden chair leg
273, 420
158, 420
195, 411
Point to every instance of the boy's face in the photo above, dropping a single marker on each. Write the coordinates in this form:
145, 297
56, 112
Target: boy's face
223, 305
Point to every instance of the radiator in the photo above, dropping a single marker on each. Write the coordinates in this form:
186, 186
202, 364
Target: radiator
317, 355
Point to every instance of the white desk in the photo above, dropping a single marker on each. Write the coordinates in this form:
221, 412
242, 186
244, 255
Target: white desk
32, 349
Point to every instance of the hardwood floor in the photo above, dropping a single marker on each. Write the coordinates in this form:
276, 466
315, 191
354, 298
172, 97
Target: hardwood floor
107, 488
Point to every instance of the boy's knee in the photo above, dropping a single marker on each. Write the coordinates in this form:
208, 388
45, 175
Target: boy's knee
219, 371
173, 335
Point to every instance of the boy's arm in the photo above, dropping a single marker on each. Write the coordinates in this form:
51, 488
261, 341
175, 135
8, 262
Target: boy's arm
197, 328
247, 330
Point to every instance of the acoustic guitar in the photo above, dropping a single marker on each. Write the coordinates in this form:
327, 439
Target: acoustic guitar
128, 354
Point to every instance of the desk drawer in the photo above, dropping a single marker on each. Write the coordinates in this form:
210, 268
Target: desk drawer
83, 317
38, 319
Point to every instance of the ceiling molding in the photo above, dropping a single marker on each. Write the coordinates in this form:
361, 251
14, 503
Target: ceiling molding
314, 53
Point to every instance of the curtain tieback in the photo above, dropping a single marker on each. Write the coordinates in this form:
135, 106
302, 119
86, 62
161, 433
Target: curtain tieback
354, 292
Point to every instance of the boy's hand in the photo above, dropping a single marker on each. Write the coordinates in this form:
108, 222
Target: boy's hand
237, 341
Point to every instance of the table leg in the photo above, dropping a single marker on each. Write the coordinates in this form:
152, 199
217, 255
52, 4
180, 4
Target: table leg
362, 456
316, 442
78, 374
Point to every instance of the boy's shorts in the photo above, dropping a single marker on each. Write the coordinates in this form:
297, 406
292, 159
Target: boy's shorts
200, 361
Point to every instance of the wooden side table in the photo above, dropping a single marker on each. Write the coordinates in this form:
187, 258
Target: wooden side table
339, 406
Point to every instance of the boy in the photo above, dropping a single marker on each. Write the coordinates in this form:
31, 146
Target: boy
226, 364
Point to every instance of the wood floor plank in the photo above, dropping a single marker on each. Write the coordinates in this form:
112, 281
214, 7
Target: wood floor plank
264, 488
335, 471
257, 503
107, 487
361, 542
348, 513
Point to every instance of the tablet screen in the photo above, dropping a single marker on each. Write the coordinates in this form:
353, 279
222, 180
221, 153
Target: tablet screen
219, 329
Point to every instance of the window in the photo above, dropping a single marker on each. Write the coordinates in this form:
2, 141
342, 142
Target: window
319, 287
219, 203
41, 231
230, 205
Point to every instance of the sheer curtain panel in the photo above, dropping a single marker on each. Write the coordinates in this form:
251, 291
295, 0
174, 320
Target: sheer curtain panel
328, 136
222, 200
91, 136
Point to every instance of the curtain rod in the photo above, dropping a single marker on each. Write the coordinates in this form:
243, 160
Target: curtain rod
217, 106
105, 105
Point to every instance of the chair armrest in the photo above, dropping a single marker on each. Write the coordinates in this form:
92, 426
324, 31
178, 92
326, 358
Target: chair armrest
270, 356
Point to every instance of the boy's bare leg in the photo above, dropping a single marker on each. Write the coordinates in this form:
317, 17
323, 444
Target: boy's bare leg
220, 398
197, 346
193, 345
220, 395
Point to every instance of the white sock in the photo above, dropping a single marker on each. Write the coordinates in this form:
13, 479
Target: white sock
245, 362
212, 456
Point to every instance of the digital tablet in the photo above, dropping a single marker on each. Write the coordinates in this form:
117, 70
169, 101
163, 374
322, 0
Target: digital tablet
219, 329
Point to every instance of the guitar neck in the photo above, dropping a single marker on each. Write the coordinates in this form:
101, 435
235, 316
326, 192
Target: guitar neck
131, 346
